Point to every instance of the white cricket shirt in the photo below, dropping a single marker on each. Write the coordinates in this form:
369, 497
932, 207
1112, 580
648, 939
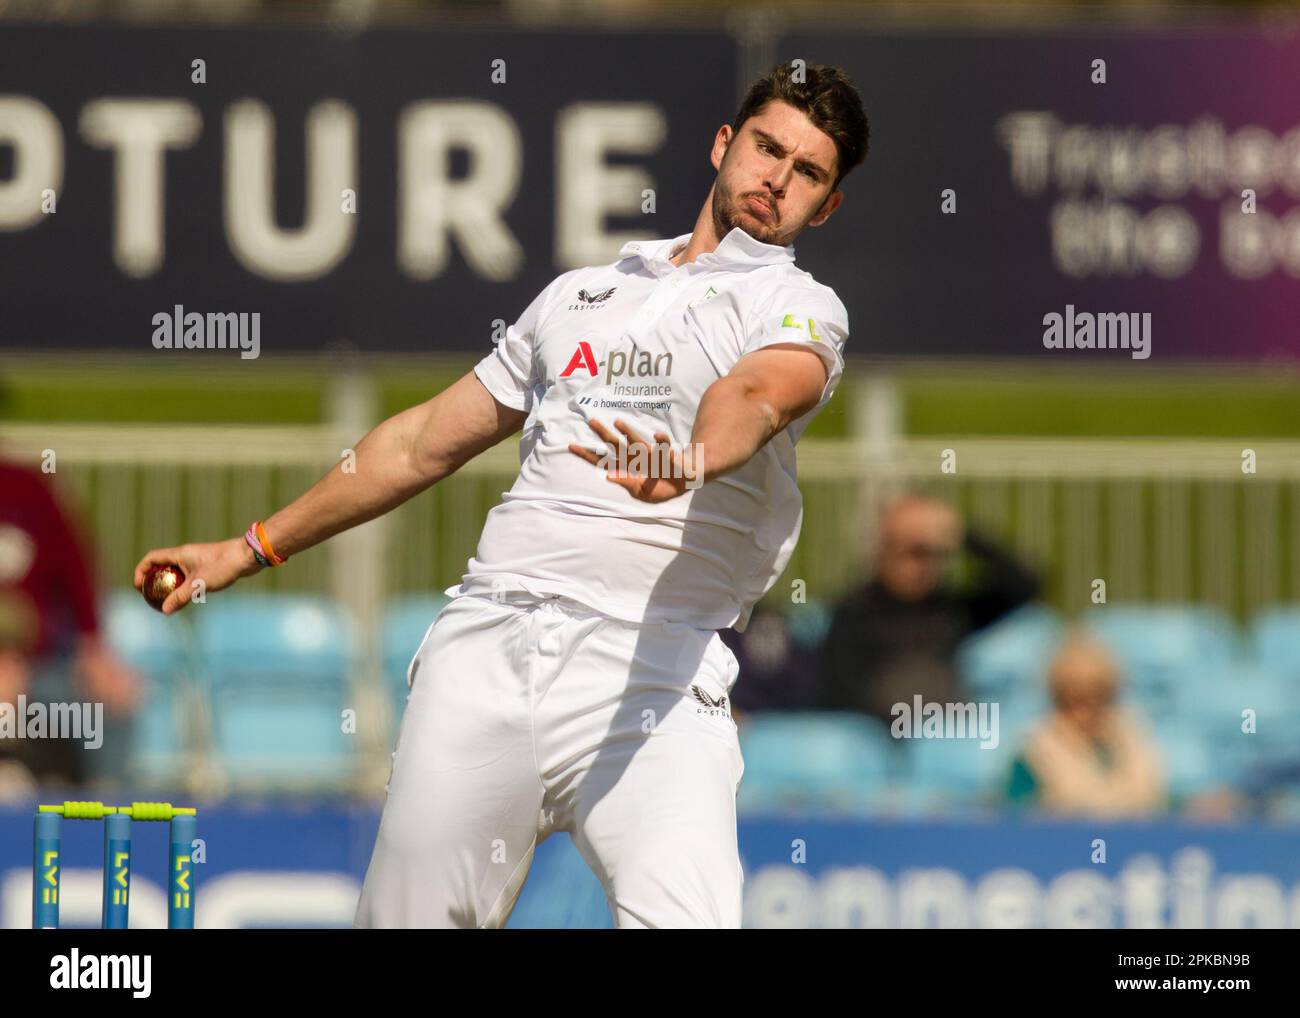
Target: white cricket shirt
642, 339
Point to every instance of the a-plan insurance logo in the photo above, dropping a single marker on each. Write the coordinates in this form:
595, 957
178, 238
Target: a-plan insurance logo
630, 363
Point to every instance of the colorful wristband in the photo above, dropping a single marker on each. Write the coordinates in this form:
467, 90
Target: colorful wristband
251, 540
258, 541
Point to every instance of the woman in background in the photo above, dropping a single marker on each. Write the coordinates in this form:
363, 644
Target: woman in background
1088, 757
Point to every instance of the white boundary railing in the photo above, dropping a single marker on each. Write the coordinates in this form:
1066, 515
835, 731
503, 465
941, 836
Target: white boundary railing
1170, 521
1161, 520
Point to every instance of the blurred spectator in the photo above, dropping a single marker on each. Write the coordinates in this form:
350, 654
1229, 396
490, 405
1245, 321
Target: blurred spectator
44, 563
1087, 757
777, 672
17, 636
896, 637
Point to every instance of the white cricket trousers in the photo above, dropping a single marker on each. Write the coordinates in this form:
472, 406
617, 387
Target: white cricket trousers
536, 715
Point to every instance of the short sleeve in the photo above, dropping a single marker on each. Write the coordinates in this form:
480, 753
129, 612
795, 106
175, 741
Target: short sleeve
810, 316
509, 371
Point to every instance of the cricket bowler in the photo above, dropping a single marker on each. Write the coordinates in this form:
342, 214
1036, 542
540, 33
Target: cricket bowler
576, 680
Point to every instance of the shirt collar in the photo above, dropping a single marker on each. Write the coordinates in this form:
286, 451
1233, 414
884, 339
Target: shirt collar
737, 250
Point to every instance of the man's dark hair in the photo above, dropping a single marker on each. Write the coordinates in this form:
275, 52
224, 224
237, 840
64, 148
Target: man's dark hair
829, 99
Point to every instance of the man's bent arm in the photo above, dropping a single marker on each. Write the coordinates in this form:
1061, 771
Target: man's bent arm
398, 459
742, 410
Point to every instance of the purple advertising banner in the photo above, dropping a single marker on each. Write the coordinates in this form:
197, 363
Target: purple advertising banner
1025, 192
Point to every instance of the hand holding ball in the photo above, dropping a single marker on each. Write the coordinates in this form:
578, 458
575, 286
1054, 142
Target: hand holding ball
159, 582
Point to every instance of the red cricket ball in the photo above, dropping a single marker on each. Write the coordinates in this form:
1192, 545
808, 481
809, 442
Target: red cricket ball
159, 582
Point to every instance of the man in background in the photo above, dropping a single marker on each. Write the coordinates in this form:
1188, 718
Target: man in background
896, 636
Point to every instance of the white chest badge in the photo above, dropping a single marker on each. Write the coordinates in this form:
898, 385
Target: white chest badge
700, 300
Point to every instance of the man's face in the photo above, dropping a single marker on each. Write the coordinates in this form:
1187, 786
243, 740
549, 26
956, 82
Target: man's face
774, 176
918, 539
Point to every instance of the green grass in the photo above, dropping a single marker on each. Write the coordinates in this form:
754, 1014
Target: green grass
132, 389
1072, 402
283, 391
1066, 400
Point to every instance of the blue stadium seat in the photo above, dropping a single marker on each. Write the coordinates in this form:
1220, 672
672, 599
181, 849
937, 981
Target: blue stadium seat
1155, 645
1216, 695
1186, 757
277, 672
1275, 638
158, 648
1010, 658
1211, 702
1153, 700
406, 621
142, 637
824, 762
955, 775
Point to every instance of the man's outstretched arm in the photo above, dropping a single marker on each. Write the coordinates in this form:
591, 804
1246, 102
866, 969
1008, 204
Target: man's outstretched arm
399, 458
